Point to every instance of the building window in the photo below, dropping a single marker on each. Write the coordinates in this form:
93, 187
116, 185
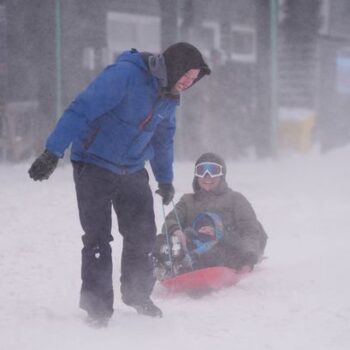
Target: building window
243, 46
125, 31
206, 36
343, 71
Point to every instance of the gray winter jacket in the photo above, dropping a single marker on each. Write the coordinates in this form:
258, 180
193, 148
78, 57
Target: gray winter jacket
243, 233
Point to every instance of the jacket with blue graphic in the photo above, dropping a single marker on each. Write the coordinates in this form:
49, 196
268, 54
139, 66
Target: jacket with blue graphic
120, 121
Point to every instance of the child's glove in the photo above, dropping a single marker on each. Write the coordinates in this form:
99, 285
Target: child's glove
182, 238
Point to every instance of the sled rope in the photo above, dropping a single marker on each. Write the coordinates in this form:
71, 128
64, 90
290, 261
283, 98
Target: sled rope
168, 243
180, 227
177, 216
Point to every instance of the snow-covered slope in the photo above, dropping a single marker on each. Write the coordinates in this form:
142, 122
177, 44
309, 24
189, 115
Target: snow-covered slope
296, 299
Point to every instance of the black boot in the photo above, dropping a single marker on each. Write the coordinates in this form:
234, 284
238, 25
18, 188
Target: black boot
97, 321
144, 307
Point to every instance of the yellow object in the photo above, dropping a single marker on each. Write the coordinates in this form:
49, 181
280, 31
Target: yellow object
297, 134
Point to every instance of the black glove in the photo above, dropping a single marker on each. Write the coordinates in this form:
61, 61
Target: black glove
43, 166
166, 191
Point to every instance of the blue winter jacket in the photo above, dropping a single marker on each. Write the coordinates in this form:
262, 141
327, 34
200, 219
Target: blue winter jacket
119, 121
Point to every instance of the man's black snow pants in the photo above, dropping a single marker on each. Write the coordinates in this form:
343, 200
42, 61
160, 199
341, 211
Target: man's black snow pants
98, 190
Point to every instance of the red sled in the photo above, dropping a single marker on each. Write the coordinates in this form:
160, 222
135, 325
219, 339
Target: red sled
208, 279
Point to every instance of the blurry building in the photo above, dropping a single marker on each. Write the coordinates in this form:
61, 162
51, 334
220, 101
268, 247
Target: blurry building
314, 74
51, 49
299, 24
3, 76
333, 79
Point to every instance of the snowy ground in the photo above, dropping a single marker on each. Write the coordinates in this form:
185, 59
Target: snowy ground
297, 299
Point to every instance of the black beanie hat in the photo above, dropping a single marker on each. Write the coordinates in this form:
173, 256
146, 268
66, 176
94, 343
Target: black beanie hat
179, 59
209, 157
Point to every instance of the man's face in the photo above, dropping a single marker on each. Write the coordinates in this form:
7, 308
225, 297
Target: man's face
186, 80
208, 183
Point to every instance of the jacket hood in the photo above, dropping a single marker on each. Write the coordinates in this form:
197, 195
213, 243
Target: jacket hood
209, 219
211, 157
179, 59
132, 56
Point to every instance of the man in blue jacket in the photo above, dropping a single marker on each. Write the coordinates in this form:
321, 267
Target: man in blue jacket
124, 118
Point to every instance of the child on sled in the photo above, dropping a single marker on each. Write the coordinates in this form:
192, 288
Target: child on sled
213, 226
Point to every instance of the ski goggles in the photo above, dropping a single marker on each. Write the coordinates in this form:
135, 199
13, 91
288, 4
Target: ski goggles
212, 169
